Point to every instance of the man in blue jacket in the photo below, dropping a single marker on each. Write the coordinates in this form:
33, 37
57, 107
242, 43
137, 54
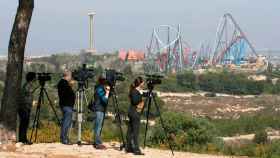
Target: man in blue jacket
101, 95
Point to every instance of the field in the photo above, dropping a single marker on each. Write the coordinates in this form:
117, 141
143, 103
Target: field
220, 113
222, 106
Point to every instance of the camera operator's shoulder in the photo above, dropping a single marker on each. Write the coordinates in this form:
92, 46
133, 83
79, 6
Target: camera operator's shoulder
61, 82
135, 92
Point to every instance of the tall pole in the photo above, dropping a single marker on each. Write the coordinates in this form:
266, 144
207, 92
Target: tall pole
91, 40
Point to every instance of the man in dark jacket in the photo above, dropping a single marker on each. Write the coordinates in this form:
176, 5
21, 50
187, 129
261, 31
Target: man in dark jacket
101, 95
25, 100
66, 102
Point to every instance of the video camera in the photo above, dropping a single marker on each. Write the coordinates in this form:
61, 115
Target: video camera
112, 76
153, 80
147, 94
83, 74
43, 77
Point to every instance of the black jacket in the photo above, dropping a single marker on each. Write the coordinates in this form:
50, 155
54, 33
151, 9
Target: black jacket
65, 93
135, 97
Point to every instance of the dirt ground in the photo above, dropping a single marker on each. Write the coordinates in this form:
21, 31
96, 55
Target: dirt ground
221, 106
57, 150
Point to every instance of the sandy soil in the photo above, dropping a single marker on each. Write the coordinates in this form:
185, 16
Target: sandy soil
57, 150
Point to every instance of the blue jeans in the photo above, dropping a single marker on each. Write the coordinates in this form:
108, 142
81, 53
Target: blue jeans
97, 127
66, 124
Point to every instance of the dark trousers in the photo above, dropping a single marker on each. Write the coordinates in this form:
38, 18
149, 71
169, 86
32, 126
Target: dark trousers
66, 124
24, 115
133, 129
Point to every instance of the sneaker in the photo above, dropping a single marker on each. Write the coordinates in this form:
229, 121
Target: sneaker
100, 147
27, 143
128, 150
138, 152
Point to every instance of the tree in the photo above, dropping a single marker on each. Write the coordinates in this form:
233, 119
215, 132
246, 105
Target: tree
8, 113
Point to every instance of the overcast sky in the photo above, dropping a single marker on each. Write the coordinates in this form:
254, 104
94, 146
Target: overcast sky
62, 25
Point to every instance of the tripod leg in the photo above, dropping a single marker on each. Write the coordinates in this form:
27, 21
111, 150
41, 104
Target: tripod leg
149, 100
162, 124
80, 116
34, 122
37, 124
117, 111
36, 118
51, 105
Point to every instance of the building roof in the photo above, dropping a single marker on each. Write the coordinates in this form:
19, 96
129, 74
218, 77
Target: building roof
131, 55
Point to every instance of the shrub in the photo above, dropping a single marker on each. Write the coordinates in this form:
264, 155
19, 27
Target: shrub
273, 150
187, 80
226, 82
260, 137
246, 124
186, 132
272, 89
170, 84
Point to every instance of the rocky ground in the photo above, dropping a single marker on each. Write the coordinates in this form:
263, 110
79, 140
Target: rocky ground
57, 150
220, 106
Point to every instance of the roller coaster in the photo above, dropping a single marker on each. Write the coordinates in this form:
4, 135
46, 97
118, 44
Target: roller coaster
231, 45
168, 52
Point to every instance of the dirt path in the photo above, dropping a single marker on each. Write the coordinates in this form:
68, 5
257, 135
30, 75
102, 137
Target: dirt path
57, 150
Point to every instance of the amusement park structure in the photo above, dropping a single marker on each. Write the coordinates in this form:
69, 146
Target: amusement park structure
200, 59
166, 51
231, 45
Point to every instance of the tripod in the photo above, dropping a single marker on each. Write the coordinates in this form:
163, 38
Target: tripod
36, 121
81, 97
149, 99
114, 97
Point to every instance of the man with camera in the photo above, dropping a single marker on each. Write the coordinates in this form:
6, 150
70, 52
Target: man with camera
66, 102
25, 101
101, 95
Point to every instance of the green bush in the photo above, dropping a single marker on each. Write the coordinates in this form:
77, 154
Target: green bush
186, 132
170, 84
187, 80
273, 150
246, 124
261, 137
226, 82
269, 150
217, 82
272, 89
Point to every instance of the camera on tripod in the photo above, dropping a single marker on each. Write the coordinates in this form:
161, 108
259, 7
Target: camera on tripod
83, 74
43, 77
112, 76
153, 80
